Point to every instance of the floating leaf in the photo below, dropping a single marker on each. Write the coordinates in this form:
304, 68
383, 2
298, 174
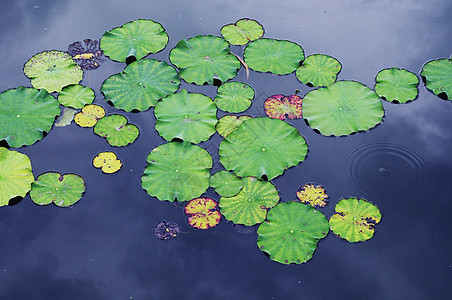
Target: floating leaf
202, 213
234, 97
274, 56
87, 54
137, 38
437, 76
166, 230
52, 70
262, 146
319, 70
280, 107
229, 123
116, 130
15, 175
141, 85
250, 205
62, 190
243, 31
312, 194
342, 108
188, 116
89, 115
396, 85
177, 170
108, 162
291, 232
76, 96
225, 183
202, 59
25, 113
66, 117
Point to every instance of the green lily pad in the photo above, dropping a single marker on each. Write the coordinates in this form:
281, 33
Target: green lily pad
226, 184
141, 85
355, 219
396, 85
249, 206
234, 97
243, 31
318, 70
62, 190
274, 56
342, 108
52, 70
229, 123
437, 76
137, 38
291, 232
25, 113
177, 170
188, 116
15, 175
202, 59
76, 96
66, 117
280, 107
116, 130
262, 146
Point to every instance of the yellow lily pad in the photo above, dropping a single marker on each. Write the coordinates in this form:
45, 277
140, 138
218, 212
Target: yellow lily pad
89, 115
108, 162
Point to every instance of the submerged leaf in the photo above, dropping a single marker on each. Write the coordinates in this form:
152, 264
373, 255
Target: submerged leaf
166, 230
319, 70
202, 213
280, 107
225, 183
76, 96
312, 194
87, 54
234, 97
66, 117
229, 123
437, 76
243, 31
89, 115
108, 162
396, 85
116, 130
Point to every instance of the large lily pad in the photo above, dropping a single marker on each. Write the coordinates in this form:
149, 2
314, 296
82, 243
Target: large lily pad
355, 219
318, 70
202, 213
202, 59
76, 96
262, 146
243, 31
342, 108
52, 70
137, 38
437, 76
249, 206
177, 170
396, 85
116, 130
229, 123
188, 116
280, 107
226, 184
25, 114
15, 175
62, 190
141, 85
274, 56
291, 232
234, 97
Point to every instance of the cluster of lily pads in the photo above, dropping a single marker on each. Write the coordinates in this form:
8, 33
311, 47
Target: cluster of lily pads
254, 150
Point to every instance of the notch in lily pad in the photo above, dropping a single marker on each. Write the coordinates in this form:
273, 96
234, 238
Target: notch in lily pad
318, 70
107, 162
117, 130
242, 31
202, 213
396, 85
313, 194
282, 107
437, 76
87, 54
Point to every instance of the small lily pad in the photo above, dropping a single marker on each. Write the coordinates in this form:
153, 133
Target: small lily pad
234, 97
89, 115
437, 76
116, 130
229, 123
66, 117
280, 107
243, 31
319, 70
108, 162
76, 96
396, 85
202, 213
87, 54
166, 230
226, 184
312, 194
62, 190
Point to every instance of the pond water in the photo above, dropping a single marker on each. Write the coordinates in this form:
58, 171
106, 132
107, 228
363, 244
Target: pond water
104, 247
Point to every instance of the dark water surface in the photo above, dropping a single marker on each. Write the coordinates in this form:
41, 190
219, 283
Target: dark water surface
104, 248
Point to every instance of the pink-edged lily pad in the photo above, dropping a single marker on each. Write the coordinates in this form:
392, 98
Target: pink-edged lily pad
282, 107
203, 213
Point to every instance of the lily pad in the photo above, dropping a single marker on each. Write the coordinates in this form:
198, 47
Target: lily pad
166, 230
141, 85
89, 115
116, 130
291, 232
25, 114
66, 117
108, 162
242, 32
15, 175
62, 190
234, 97
437, 76
226, 184
280, 107
318, 70
312, 194
342, 108
229, 123
52, 70
249, 206
137, 38
274, 56
177, 170
203, 59
262, 146
87, 54
76, 96
355, 219
396, 85
188, 116
202, 213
